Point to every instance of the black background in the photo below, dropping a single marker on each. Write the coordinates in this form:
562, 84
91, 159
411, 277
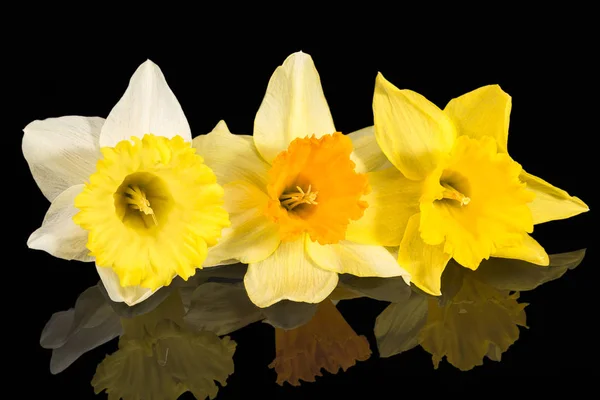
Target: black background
552, 132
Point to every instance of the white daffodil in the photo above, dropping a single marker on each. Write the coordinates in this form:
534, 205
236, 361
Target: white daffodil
128, 192
291, 190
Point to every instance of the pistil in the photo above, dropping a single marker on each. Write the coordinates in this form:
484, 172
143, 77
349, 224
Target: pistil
453, 194
136, 199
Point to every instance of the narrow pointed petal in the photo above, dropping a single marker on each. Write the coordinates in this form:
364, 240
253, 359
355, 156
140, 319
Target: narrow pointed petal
413, 132
367, 154
58, 234
355, 259
551, 203
392, 200
252, 236
517, 275
288, 274
425, 263
394, 290
130, 295
294, 106
221, 308
397, 327
482, 112
148, 106
232, 157
62, 152
530, 250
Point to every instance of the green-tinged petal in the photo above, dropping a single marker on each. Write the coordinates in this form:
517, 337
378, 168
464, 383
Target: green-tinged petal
221, 308
78, 330
289, 314
59, 235
367, 154
413, 132
482, 112
232, 157
394, 290
61, 152
551, 203
519, 275
252, 237
147, 106
149, 304
294, 106
392, 200
130, 295
425, 263
288, 274
355, 259
397, 327
530, 250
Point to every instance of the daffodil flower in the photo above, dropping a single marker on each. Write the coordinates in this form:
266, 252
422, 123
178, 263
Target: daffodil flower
291, 190
128, 192
453, 190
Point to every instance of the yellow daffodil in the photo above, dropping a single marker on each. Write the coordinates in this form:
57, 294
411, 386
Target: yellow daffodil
453, 190
128, 192
291, 189
325, 342
160, 358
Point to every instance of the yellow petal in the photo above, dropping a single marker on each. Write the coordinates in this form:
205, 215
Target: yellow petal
504, 274
355, 259
482, 112
412, 131
530, 250
288, 274
294, 107
232, 157
252, 237
397, 327
392, 200
367, 154
551, 203
425, 263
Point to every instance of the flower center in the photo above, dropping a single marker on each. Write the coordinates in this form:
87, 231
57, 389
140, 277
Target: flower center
136, 198
142, 202
451, 193
291, 200
314, 189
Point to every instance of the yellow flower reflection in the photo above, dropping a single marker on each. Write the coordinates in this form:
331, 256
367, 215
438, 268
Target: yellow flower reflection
159, 358
326, 341
478, 315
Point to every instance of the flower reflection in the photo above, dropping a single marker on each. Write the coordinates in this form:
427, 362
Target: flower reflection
325, 342
159, 358
477, 316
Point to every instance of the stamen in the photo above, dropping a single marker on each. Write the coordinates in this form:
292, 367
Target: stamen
453, 194
294, 199
137, 200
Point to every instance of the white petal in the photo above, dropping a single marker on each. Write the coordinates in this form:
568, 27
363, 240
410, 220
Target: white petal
59, 235
221, 308
62, 152
356, 259
148, 106
294, 106
288, 274
367, 154
57, 329
129, 295
232, 157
